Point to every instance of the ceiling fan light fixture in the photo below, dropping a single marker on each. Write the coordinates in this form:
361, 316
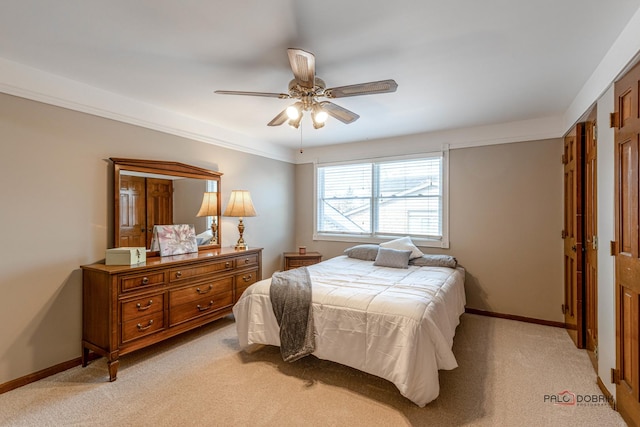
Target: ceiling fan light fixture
318, 115
318, 125
293, 111
295, 123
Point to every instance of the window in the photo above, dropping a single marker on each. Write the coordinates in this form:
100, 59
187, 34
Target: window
377, 199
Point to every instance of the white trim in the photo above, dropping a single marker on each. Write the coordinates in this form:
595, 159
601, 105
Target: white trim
417, 144
445, 196
384, 159
315, 201
41, 86
418, 241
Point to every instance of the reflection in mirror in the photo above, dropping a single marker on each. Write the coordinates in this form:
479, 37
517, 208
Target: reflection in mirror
209, 209
159, 193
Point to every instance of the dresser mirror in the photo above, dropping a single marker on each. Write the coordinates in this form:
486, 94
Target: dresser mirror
152, 192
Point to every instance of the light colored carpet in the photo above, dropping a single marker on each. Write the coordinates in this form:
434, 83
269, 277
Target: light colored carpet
203, 379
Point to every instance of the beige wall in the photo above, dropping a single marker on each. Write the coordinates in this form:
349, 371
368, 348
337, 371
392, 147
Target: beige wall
505, 217
56, 215
505, 223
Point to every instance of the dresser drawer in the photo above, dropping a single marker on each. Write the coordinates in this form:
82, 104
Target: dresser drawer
295, 263
245, 261
199, 307
131, 282
181, 273
142, 306
296, 260
207, 289
142, 326
244, 280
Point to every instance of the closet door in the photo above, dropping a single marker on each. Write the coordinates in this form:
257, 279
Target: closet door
626, 248
572, 234
591, 238
159, 204
132, 211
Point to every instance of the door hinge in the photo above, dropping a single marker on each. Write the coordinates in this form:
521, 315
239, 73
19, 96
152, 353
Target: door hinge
613, 248
595, 243
563, 234
564, 159
613, 120
615, 376
563, 308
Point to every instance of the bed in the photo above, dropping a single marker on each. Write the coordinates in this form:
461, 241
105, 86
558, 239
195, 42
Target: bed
395, 323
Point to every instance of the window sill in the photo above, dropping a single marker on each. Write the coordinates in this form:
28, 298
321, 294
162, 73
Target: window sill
423, 242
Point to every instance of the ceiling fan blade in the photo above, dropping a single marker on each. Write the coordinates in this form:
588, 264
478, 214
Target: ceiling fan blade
336, 111
279, 119
382, 86
265, 94
303, 65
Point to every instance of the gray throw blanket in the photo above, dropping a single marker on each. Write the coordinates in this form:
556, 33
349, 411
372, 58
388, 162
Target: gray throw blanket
290, 293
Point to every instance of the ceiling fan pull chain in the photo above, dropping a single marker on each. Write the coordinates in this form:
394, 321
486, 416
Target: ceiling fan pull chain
301, 150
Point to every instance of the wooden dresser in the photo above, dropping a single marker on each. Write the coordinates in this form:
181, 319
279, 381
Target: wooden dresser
126, 308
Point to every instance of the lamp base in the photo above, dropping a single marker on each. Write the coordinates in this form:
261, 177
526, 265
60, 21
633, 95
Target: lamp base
214, 233
240, 244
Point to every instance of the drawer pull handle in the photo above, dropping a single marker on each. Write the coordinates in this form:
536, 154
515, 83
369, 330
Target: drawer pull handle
247, 278
143, 328
200, 308
178, 274
247, 260
227, 264
146, 307
145, 280
206, 291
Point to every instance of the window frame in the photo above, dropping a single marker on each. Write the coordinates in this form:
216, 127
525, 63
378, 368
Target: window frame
442, 242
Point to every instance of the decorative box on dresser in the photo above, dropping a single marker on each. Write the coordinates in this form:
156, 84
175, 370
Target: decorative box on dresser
126, 308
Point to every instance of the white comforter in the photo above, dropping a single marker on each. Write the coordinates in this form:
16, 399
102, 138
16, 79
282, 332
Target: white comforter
395, 323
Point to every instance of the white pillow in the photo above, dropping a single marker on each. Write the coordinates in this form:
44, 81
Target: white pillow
403, 244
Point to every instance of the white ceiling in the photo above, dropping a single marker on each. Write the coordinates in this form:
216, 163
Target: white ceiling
457, 63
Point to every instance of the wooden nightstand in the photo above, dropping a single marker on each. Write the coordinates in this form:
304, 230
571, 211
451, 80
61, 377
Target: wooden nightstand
295, 260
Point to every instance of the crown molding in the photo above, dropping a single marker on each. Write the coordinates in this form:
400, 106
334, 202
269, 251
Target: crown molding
37, 85
503, 133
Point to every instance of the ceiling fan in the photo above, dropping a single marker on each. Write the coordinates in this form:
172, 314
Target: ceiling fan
306, 88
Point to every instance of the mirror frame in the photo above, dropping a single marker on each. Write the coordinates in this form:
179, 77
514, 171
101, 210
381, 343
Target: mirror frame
163, 168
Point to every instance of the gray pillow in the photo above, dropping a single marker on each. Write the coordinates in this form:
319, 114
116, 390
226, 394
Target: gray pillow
363, 252
393, 258
435, 261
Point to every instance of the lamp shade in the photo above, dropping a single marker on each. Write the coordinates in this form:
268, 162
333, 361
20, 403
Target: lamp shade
209, 205
240, 204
